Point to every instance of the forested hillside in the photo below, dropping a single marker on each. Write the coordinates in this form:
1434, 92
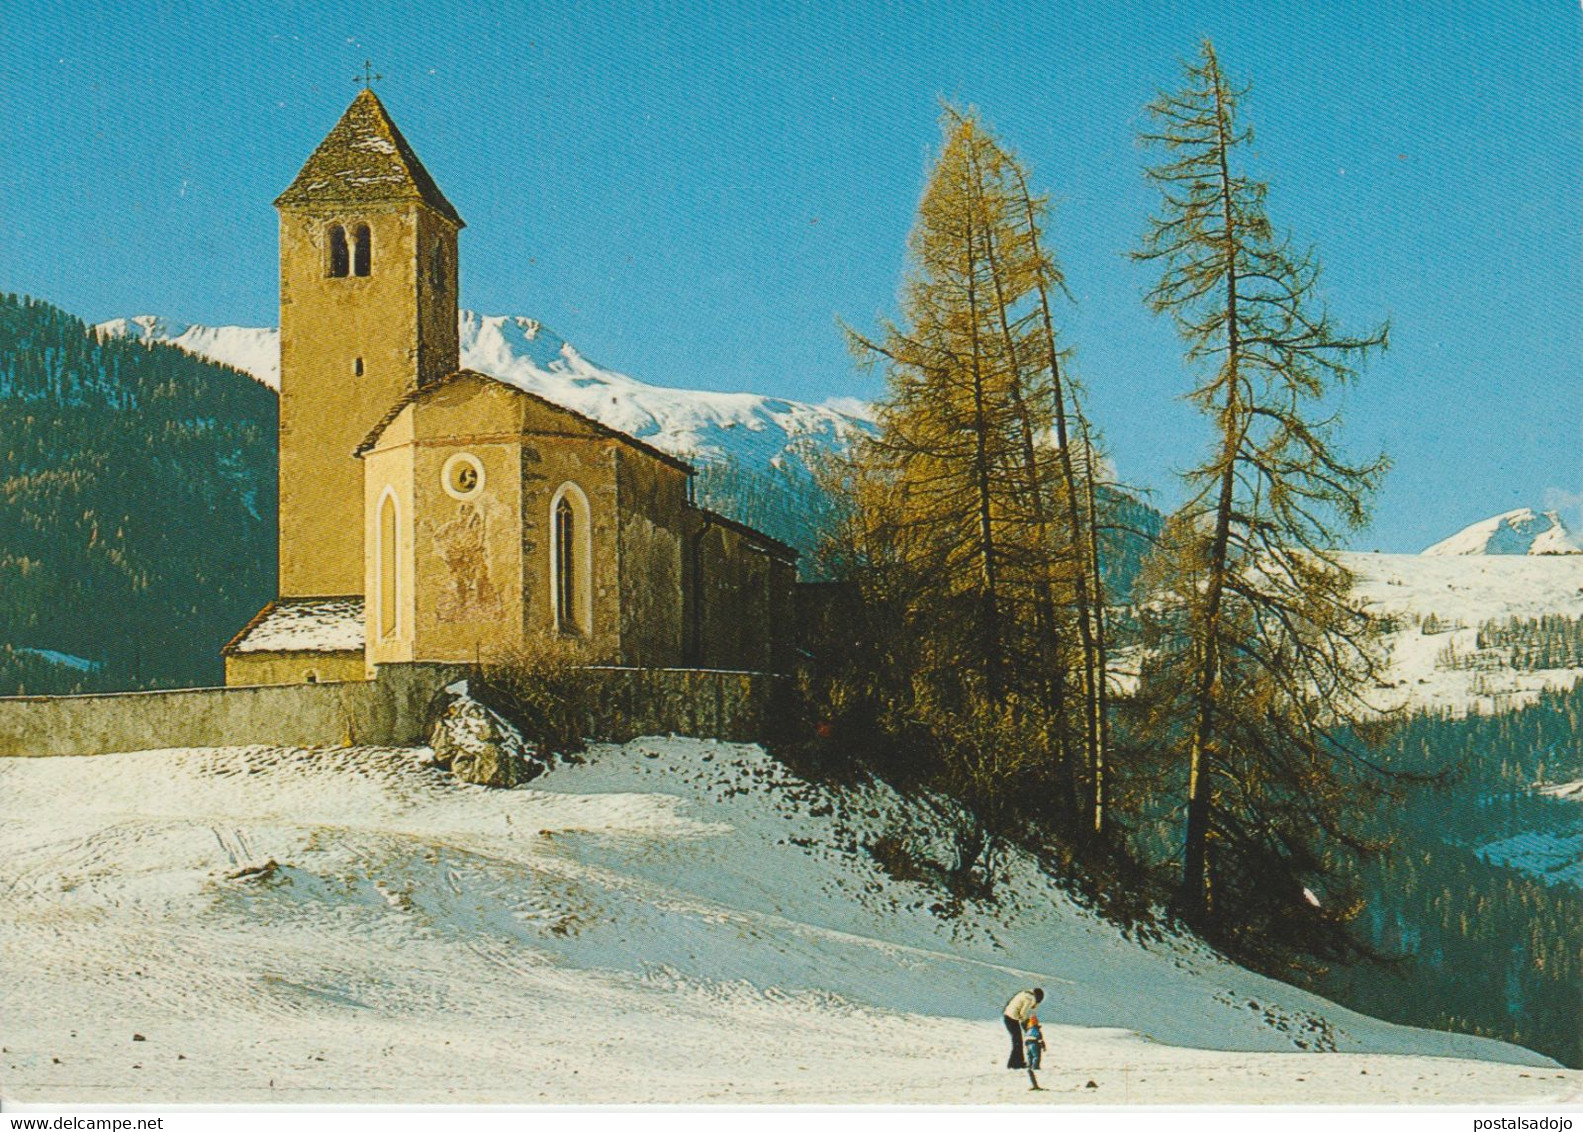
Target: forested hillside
137, 507
1485, 947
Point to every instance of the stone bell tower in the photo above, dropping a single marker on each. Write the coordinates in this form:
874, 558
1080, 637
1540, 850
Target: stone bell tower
368, 293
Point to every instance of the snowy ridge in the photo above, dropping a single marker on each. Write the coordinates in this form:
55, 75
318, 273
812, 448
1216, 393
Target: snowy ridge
253, 350
1523, 531
1436, 604
353, 926
63, 659
1572, 790
1554, 856
757, 430
761, 433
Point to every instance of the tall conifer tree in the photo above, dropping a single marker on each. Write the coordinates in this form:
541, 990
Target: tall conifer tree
1267, 656
970, 509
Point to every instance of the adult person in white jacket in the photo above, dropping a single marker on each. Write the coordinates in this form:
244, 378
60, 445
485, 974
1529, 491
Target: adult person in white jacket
1017, 1012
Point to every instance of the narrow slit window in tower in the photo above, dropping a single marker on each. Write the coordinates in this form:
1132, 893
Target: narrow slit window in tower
357, 368
338, 253
362, 252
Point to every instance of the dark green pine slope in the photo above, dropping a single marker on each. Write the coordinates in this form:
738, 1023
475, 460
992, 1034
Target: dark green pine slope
1482, 948
137, 506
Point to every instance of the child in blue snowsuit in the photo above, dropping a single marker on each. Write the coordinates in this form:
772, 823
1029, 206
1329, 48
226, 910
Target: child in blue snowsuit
1032, 1040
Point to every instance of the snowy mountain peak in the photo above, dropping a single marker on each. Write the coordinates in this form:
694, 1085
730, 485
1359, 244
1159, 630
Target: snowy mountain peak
255, 350
143, 325
766, 443
1523, 531
746, 427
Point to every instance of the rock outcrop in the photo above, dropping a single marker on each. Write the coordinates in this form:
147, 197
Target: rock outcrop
477, 745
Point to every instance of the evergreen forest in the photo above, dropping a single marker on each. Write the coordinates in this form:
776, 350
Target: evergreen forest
1471, 944
137, 507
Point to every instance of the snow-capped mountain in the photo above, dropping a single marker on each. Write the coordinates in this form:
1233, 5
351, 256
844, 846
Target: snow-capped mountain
1523, 531
255, 350
749, 427
757, 432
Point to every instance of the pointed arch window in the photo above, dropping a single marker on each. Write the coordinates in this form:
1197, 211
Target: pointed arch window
571, 552
388, 566
565, 567
339, 257
362, 250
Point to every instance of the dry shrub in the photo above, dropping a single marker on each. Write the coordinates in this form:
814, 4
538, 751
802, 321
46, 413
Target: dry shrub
543, 688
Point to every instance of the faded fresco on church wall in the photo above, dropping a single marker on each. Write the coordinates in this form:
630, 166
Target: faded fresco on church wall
461, 543
467, 575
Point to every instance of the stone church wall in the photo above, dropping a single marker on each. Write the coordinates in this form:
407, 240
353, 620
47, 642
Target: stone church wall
548, 463
388, 472
652, 507
392, 710
347, 350
389, 711
435, 273
743, 602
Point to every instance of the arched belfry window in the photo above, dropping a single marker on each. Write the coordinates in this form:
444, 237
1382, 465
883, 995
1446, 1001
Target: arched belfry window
571, 561
362, 250
388, 566
339, 259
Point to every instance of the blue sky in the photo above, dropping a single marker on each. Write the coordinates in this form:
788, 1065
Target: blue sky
693, 193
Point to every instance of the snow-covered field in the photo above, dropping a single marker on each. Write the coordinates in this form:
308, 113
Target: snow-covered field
672, 920
1461, 592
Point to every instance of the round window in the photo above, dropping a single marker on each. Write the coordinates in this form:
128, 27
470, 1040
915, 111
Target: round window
463, 476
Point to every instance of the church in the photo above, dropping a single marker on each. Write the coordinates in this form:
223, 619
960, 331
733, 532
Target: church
434, 514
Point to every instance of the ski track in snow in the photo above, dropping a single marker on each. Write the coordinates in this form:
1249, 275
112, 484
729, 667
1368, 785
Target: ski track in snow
670, 921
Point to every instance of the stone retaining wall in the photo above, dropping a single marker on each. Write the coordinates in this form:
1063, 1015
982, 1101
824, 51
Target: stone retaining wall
706, 703
390, 711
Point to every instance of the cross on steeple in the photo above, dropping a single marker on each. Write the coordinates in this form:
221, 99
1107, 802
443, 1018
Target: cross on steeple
368, 77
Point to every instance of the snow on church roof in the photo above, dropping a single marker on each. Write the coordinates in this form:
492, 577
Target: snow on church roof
315, 624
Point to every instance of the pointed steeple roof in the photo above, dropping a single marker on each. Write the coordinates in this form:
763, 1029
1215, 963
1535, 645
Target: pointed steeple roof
364, 159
